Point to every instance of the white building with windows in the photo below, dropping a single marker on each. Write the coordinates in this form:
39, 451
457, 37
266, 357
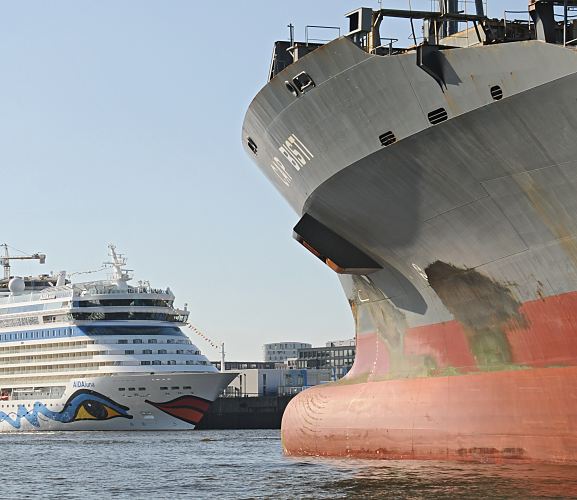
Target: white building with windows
279, 352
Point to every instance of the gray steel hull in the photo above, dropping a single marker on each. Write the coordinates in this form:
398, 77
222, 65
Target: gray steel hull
473, 222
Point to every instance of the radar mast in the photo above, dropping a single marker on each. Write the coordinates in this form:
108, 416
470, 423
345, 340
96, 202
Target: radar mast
120, 275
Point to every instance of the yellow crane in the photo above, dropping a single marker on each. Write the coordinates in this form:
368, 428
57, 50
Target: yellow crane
5, 260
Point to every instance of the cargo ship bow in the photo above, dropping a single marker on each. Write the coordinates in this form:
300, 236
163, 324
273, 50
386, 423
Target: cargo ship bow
440, 182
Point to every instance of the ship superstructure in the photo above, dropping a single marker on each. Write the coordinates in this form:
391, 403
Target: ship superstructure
439, 181
99, 355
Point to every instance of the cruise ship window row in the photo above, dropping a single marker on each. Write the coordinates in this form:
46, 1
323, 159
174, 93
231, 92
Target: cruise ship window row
36, 358
94, 331
154, 341
36, 334
29, 393
91, 364
164, 351
198, 362
48, 357
53, 346
55, 368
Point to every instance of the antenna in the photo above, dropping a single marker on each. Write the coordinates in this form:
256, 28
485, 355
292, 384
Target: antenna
222, 363
291, 33
120, 275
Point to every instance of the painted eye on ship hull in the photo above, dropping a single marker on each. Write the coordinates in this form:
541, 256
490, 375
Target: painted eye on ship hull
95, 410
91, 405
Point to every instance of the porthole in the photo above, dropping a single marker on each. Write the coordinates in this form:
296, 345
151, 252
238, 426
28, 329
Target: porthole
496, 93
437, 116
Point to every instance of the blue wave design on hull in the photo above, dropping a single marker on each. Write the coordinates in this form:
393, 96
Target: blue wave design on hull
82, 405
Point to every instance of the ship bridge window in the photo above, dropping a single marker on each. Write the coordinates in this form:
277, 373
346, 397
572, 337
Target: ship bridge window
130, 330
125, 315
496, 93
303, 82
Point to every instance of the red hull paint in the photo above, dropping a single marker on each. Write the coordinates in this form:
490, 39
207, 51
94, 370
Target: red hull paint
526, 415
525, 411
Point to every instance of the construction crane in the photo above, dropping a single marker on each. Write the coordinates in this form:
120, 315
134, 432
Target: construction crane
5, 260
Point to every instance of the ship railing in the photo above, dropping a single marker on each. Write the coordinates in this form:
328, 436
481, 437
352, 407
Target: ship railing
308, 39
129, 291
35, 296
567, 17
385, 47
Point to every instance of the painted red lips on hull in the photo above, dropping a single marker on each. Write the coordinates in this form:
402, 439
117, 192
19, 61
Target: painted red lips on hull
189, 409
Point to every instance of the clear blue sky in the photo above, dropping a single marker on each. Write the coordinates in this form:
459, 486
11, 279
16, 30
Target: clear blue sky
120, 122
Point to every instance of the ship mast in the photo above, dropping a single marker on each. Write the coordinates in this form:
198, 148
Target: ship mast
120, 275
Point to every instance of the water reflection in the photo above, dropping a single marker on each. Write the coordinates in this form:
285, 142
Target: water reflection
417, 479
243, 465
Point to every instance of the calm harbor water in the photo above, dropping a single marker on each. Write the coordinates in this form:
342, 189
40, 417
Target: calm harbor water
243, 464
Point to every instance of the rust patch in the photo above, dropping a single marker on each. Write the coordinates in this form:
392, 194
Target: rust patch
483, 306
376, 315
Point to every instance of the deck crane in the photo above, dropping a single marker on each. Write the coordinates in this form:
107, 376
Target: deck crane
5, 260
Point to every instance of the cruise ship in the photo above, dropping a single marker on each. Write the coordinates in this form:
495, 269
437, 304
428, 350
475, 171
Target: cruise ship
98, 355
438, 178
